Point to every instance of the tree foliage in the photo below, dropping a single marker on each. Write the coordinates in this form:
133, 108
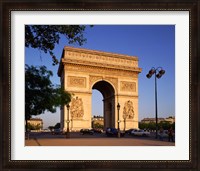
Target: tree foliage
97, 125
152, 125
57, 126
45, 37
40, 94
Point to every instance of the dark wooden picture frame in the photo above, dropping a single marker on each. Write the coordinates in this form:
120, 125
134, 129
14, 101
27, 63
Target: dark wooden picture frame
7, 6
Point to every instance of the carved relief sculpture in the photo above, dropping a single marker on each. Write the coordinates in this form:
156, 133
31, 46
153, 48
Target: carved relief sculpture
94, 78
128, 111
76, 81
127, 86
114, 81
76, 109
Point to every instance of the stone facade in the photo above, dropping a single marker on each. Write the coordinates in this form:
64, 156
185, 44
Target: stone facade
114, 75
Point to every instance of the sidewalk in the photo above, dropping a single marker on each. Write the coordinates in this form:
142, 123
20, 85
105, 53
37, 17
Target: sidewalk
96, 142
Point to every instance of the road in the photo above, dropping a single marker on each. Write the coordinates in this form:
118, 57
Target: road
76, 139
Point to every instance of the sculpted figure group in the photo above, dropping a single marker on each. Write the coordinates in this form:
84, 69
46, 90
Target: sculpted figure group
128, 111
77, 108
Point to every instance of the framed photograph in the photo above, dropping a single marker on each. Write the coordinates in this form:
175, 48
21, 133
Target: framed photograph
116, 26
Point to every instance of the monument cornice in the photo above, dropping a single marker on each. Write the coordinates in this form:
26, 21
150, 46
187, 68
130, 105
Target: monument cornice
101, 53
79, 92
127, 95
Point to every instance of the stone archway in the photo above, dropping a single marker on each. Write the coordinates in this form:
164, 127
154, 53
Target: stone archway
108, 93
114, 75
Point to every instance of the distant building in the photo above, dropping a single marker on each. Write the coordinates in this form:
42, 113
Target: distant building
97, 120
99, 117
35, 123
153, 120
170, 119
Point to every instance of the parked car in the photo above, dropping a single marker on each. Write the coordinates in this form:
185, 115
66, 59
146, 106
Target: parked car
87, 131
113, 132
57, 131
129, 131
162, 135
46, 130
140, 132
97, 130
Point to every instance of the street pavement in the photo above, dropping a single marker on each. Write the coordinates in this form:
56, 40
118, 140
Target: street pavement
76, 139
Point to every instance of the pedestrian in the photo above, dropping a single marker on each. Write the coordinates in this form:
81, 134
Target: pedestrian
161, 133
170, 134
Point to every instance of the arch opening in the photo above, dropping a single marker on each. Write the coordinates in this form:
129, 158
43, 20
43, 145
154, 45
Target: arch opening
108, 93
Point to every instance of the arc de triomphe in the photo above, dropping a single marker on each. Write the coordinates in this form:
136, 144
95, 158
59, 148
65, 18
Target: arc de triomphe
114, 75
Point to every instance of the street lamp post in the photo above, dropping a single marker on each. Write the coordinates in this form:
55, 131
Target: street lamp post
67, 135
118, 108
158, 74
71, 123
124, 117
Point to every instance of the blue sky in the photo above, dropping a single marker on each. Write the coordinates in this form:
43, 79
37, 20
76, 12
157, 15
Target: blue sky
153, 44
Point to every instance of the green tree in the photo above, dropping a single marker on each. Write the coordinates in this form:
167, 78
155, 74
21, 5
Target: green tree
143, 125
98, 125
40, 94
57, 126
45, 37
152, 126
164, 124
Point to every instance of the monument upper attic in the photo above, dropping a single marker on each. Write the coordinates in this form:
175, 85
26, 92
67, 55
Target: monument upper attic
98, 58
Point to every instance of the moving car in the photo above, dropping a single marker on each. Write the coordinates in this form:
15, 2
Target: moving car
87, 131
140, 132
113, 132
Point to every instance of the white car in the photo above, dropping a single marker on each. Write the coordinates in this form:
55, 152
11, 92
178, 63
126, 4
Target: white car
46, 130
140, 132
162, 135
